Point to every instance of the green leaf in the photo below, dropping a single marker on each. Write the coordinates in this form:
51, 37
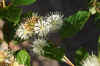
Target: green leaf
28, 14
80, 54
53, 52
23, 57
2, 12
91, 1
22, 2
9, 29
79, 18
97, 20
74, 24
12, 14
98, 4
97, 17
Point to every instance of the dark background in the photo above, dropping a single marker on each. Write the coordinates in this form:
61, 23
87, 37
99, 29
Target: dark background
86, 38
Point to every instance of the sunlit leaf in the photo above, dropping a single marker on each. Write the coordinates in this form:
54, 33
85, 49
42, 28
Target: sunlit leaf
53, 52
74, 24
23, 57
12, 14
80, 54
22, 2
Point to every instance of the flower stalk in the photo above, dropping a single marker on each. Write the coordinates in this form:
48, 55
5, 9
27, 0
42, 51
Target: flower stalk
66, 60
4, 3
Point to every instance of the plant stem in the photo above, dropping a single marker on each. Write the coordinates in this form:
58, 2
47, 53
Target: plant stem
66, 60
94, 3
4, 3
99, 47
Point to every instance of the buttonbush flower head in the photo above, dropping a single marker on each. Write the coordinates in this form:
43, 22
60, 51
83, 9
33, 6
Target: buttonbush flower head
23, 33
26, 28
92, 10
91, 61
56, 20
38, 46
42, 28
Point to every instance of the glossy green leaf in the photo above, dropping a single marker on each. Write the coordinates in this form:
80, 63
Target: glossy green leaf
23, 57
74, 24
53, 52
22, 2
80, 54
97, 20
12, 14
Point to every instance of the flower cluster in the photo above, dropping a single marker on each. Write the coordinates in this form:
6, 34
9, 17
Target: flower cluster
26, 28
56, 21
38, 46
7, 58
91, 61
40, 26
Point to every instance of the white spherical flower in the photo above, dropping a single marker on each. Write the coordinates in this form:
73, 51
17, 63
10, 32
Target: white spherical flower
56, 21
91, 61
38, 46
23, 33
92, 10
26, 29
42, 28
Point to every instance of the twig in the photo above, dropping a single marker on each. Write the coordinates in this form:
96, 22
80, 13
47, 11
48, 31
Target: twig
4, 3
66, 60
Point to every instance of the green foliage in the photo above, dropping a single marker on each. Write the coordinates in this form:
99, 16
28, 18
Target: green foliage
28, 14
12, 14
53, 52
90, 1
74, 24
99, 47
79, 18
97, 20
81, 53
2, 12
9, 30
98, 4
23, 57
22, 2
97, 17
